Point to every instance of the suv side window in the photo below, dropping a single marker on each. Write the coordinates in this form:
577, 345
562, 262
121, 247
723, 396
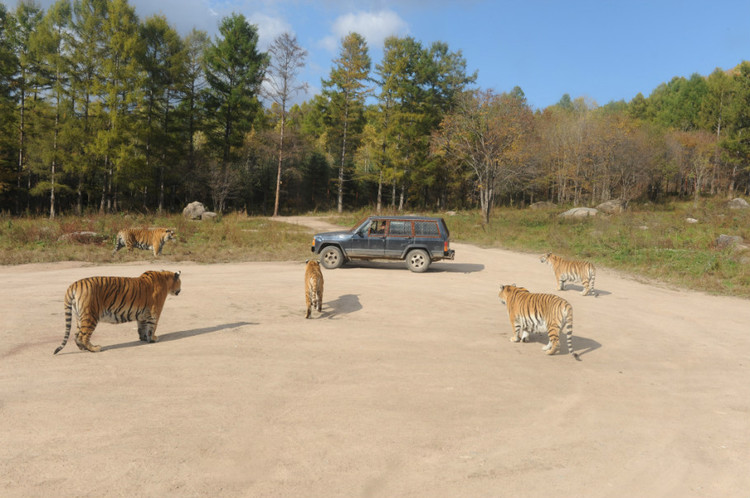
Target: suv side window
400, 228
377, 228
426, 229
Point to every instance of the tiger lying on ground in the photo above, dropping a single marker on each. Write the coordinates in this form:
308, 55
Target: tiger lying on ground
118, 300
313, 286
529, 313
573, 271
143, 238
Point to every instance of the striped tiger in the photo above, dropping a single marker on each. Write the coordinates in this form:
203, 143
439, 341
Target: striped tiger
143, 238
118, 300
529, 313
573, 271
313, 286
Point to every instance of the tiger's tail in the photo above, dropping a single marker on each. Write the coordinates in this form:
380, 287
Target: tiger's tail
119, 243
568, 316
69, 299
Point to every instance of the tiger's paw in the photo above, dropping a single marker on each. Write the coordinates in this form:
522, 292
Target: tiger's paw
514, 339
93, 348
551, 348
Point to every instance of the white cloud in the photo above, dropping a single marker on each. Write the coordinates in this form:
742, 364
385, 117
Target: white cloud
375, 27
269, 28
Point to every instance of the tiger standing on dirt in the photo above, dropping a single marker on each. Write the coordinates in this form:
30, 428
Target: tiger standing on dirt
573, 271
143, 238
118, 300
529, 313
313, 286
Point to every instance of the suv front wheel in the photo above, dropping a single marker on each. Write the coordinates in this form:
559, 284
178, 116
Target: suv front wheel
418, 260
331, 257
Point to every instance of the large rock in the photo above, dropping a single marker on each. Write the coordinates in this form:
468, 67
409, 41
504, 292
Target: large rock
579, 213
724, 241
613, 206
194, 210
542, 205
738, 204
83, 237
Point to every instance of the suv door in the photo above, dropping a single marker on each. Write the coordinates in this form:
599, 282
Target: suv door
400, 236
368, 241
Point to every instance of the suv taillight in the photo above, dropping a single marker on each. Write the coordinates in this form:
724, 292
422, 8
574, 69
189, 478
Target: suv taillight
445, 246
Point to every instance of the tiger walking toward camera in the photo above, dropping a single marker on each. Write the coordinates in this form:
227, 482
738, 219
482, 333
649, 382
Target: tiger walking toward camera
572, 271
118, 300
313, 286
143, 238
529, 313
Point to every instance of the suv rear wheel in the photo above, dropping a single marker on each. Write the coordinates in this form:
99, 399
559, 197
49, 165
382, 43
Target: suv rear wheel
331, 257
418, 260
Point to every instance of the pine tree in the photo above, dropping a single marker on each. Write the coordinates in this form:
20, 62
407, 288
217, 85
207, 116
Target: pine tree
344, 98
234, 71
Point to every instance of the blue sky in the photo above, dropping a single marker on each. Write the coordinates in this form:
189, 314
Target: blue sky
600, 50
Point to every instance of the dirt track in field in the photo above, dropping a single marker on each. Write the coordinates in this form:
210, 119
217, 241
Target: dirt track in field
404, 386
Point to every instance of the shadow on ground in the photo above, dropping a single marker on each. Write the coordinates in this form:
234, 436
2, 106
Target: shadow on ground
182, 334
438, 267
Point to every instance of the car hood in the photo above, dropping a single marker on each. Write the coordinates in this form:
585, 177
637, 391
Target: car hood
339, 235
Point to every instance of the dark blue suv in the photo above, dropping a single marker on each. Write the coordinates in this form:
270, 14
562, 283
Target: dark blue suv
417, 240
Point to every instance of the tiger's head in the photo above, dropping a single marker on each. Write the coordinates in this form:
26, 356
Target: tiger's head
175, 284
506, 291
545, 257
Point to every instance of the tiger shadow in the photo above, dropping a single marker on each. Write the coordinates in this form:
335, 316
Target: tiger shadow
579, 288
342, 305
181, 334
582, 345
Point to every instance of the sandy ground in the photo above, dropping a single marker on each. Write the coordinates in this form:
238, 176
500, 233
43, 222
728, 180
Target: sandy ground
406, 385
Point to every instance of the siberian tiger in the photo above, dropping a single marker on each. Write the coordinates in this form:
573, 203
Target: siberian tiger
118, 300
573, 271
143, 238
529, 313
313, 286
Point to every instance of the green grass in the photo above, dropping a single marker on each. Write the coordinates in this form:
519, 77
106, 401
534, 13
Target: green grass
229, 238
655, 244
651, 241
648, 241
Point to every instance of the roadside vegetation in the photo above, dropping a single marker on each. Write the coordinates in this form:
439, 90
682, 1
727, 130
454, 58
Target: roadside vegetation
649, 241
230, 238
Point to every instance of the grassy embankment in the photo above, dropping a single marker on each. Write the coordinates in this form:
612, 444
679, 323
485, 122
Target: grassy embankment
653, 241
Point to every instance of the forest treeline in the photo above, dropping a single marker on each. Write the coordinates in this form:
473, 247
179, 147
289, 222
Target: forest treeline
101, 110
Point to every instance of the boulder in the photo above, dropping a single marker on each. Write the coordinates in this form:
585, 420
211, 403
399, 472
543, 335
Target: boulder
83, 237
738, 203
542, 205
194, 210
613, 206
579, 213
208, 215
724, 241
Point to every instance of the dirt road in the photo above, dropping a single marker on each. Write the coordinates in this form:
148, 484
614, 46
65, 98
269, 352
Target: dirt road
406, 385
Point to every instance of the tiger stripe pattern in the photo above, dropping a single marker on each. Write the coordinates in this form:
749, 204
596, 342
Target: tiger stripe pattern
530, 313
313, 286
117, 300
143, 238
572, 271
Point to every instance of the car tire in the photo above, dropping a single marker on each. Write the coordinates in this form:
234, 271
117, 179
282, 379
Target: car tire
331, 257
418, 260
